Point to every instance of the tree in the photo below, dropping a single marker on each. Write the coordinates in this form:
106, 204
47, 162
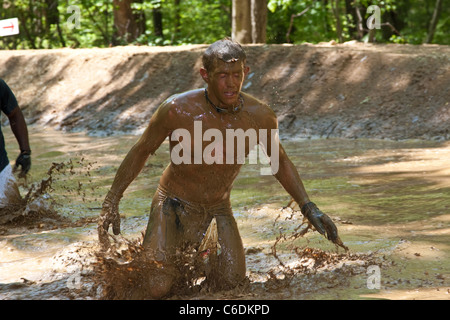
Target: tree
337, 16
125, 23
177, 20
241, 23
52, 17
46, 23
157, 18
249, 20
259, 20
434, 21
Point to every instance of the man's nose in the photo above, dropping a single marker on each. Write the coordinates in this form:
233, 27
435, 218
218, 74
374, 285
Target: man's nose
229, 81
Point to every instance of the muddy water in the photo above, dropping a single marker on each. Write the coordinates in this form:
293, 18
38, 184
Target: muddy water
390, 201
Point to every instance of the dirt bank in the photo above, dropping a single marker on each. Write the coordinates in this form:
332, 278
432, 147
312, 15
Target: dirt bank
349, 90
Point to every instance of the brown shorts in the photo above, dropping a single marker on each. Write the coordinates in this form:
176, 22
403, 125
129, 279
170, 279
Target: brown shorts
176, 224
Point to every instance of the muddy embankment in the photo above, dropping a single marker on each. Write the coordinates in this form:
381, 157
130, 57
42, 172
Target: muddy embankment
349, 90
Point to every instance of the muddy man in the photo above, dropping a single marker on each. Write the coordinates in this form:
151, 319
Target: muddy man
193, 190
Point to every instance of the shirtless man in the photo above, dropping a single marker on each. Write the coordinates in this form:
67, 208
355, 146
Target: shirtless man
191, 193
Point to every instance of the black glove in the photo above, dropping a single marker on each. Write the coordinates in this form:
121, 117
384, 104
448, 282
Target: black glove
320, 221
23, 160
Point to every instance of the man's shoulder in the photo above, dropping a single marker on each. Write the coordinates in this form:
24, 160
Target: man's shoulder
183, 100
184, 97
254, 104
179, 105
258, 109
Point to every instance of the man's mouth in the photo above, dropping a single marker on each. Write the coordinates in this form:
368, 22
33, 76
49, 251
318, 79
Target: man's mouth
230, 94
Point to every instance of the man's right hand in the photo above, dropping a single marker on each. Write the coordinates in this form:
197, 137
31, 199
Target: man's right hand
109, 215
24, 161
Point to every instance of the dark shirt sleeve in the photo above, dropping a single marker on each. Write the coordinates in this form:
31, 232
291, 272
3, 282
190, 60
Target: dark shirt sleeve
8, 101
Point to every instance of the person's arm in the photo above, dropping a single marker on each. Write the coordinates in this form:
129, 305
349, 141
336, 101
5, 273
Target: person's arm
282, 167
131, 166
289, 178
20, 130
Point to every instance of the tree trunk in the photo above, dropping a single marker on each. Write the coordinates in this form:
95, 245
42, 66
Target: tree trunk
177, 23
124, 21
259, 20
139, 17
335, 8
241, 26
52, 17
359, 24
157, 21
51, 12
249, 21
434, 21
352, 19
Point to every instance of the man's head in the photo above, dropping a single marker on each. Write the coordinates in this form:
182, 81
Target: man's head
225, 50
224, 71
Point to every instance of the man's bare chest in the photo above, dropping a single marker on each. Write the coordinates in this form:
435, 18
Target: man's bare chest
214, 139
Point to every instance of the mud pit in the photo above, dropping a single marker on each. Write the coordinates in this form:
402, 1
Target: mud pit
372, 189
388, 198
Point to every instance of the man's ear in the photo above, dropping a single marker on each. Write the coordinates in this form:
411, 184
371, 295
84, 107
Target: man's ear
246, 70
204, 74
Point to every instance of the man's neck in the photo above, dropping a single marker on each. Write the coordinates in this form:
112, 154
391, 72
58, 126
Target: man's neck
224, 108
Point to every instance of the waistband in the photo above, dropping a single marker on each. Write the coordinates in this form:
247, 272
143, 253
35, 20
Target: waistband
220, 207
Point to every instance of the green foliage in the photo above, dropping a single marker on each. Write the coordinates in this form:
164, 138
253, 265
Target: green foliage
404, 21
50, 23
192, 21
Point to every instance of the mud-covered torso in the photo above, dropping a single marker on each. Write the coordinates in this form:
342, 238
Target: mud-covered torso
208, 147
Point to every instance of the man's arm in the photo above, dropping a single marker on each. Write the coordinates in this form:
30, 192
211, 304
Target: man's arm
20, 130
136, 158
156, 132
290, 179
282, 167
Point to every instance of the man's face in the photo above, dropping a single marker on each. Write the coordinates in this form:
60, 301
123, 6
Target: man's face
225, 82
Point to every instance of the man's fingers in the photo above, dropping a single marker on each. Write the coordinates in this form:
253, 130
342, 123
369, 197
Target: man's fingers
108, 215
103, 238
318, 225
116, 225
321, 222
330, 227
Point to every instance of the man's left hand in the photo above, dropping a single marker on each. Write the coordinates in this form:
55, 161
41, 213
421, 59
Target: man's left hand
320, 221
